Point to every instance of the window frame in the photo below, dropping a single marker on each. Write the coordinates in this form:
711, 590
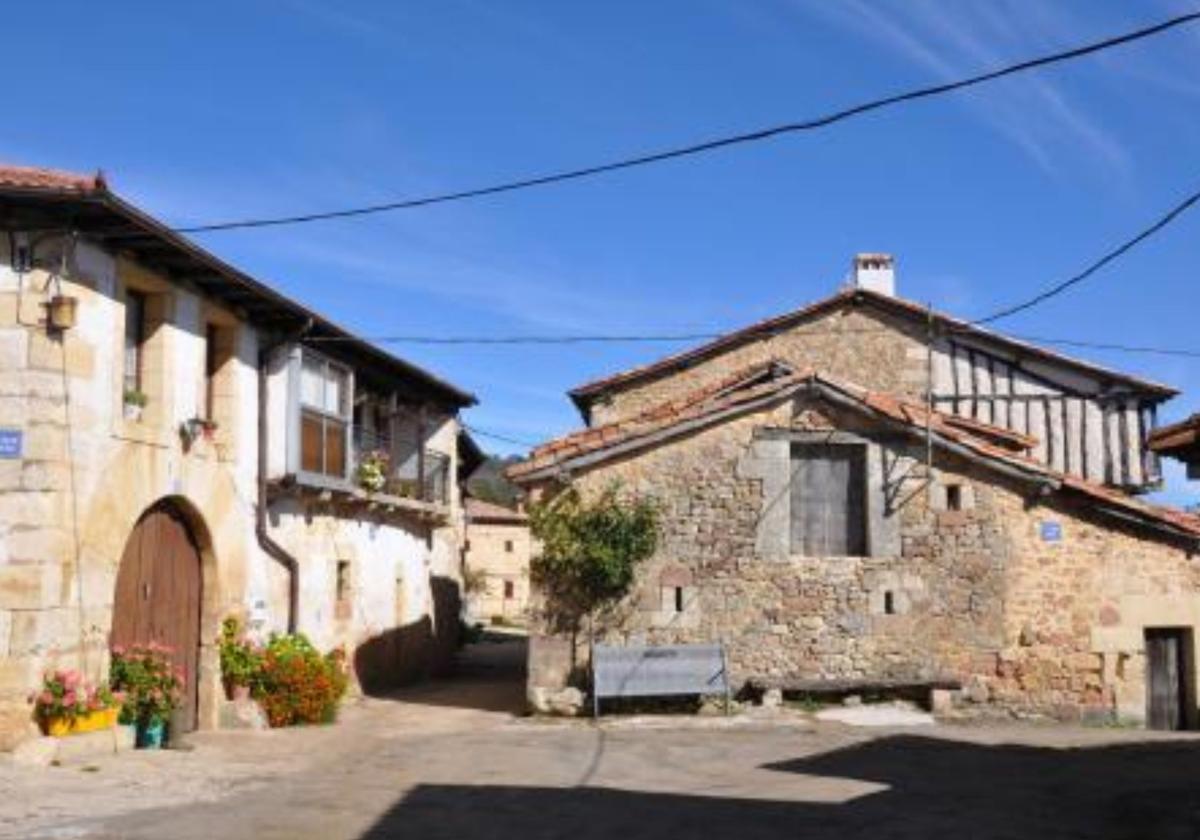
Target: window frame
344, 417
859, 473
211, 368
139, 300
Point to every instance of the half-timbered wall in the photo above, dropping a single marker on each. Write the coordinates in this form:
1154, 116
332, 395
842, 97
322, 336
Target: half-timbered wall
1082, 427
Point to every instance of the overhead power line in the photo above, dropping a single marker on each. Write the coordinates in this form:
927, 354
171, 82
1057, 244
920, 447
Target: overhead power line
516, 340
1123, 348
521, 339
710, 145
1173, 214
475, 430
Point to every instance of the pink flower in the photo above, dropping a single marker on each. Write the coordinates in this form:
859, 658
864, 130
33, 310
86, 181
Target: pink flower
69, 698
45, 698
70, 679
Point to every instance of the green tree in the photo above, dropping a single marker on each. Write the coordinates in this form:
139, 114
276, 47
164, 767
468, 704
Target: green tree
590, 552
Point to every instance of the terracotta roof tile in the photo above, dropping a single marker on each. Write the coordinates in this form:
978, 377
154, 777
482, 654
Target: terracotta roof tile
583, 394
479, 510
36, 178
991, 442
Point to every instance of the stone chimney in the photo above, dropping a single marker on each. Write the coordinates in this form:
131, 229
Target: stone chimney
875, 273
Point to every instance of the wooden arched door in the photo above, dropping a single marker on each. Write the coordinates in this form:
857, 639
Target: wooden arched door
158, 596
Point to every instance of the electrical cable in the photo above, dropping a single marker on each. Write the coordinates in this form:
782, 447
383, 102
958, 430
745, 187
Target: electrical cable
1173, 214
710, 145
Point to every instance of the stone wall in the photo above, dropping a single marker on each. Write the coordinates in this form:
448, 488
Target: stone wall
86, 473
858, 345
972, 594
488, 554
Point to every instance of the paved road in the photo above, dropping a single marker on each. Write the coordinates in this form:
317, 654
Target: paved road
450, 761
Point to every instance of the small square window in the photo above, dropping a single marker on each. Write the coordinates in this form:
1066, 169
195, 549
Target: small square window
678, 599
889, 603
509, 590
508, 546
343, 580
954, 497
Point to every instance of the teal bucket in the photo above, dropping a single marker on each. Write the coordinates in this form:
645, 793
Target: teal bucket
150, 736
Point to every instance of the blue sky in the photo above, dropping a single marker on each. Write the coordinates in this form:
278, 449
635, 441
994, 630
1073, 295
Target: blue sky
201, 112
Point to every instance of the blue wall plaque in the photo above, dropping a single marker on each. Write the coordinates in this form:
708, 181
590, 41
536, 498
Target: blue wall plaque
1051, 532
11, 443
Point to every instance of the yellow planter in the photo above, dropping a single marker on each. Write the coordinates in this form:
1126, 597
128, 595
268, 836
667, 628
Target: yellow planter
95, 721
91, 722
58, 727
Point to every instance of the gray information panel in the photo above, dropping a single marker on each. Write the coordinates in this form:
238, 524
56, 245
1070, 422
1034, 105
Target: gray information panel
643, 671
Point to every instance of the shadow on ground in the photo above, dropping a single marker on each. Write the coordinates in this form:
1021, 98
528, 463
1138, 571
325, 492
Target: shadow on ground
486, 675
935, 788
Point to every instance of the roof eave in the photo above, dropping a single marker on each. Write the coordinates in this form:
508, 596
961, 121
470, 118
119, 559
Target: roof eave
101, 195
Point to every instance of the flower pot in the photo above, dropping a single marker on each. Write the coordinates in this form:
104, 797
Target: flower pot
58, 727
150, 735
235, 691
96, 721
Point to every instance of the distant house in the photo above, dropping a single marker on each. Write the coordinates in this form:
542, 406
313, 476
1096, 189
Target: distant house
866, 492
1182, 441
182, 443
497, 554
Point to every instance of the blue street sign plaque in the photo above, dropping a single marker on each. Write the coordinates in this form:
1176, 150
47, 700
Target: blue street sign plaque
1051, 532
11, 443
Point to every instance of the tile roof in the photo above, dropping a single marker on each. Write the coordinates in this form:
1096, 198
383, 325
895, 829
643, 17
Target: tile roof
995, 446
36, 178
103, 213
584, 394
480, 511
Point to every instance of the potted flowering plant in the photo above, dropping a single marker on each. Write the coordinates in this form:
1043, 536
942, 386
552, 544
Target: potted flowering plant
373, 470
241, 661
152, 688
66, 704
134, 401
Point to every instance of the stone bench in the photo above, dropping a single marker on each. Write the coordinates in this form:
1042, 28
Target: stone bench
933, 692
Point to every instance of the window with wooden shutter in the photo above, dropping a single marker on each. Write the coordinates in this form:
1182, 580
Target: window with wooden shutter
325, 410
828, 500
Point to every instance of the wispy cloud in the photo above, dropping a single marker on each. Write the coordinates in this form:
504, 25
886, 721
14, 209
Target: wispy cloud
958, 39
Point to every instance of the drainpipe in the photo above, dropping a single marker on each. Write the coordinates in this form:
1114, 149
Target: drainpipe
272, 548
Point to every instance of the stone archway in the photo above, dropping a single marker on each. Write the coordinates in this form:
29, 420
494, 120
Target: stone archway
159, 594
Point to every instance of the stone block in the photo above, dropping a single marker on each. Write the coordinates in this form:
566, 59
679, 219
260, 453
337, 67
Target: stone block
566, 702
44, 475
19, 675
13, 349
941, 701
29, 586
48, 353
45, 442
549, 661
88, 746
24, 508
34, 632
241, 714
39, 545
35, 752
16, 723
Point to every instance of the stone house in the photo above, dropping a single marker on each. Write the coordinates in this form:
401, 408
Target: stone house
180, 443
867, 492
498, 550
